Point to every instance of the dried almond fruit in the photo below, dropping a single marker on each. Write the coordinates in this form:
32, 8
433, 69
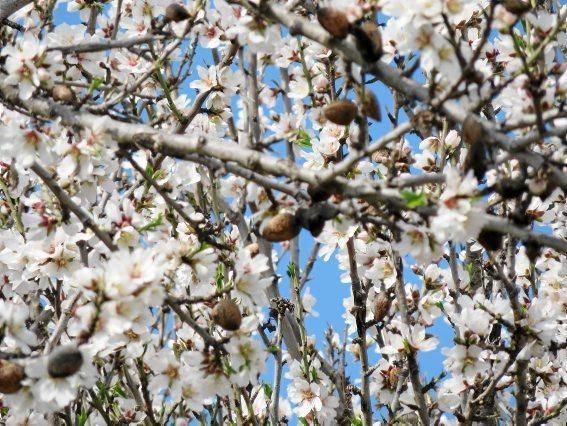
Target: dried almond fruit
282, 227
517, 7
227, 315
369, 41
473, 131
64, 94
382, 305
370, 106
176, 13
341, 112
334, 21
490, 240
11, 376
64, 361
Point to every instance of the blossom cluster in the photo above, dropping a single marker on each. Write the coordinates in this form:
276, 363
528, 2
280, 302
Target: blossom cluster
178, 179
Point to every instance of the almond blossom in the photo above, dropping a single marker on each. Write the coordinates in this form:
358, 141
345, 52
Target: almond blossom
254, 212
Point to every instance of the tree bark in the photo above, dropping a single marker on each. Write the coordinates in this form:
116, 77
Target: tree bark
8, 7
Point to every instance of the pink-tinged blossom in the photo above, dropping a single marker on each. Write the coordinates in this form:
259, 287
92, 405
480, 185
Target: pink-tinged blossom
460, 215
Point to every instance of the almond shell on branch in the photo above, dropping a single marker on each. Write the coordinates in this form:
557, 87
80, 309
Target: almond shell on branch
63, 93
368, 40
64, 361
490, 240
473, 135
282, 227
227, 315
371, 106
517, 7
341, 112
382, 305
11, 376
473, 132
334, 21
176, 13
476, 161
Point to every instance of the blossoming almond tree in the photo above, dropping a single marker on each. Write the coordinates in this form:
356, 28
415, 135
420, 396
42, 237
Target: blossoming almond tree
159, 162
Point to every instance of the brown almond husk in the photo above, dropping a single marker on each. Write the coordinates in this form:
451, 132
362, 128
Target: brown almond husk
176, 13
476, 160
490, 240
227, 315
473, 131
369, 41
334, 21
340, 112
382, 305
64, 361
533, 250
517, 7
11, 376
282, 227
371, 106
63, 93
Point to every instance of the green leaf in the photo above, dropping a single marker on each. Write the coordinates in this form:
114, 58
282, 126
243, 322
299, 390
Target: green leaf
158, 221
220, 277
356, 421
407, 346
314, 375
268, 390
158, 174
518, 40
414, 199
118, 391
95, 84
273, 349
82, 418
291, 270
303, 139
303, 421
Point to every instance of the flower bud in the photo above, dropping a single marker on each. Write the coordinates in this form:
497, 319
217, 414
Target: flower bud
341, 112
11, 376
176, 13
64, 361
281, 227
64, 94
334, 21
227, 315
